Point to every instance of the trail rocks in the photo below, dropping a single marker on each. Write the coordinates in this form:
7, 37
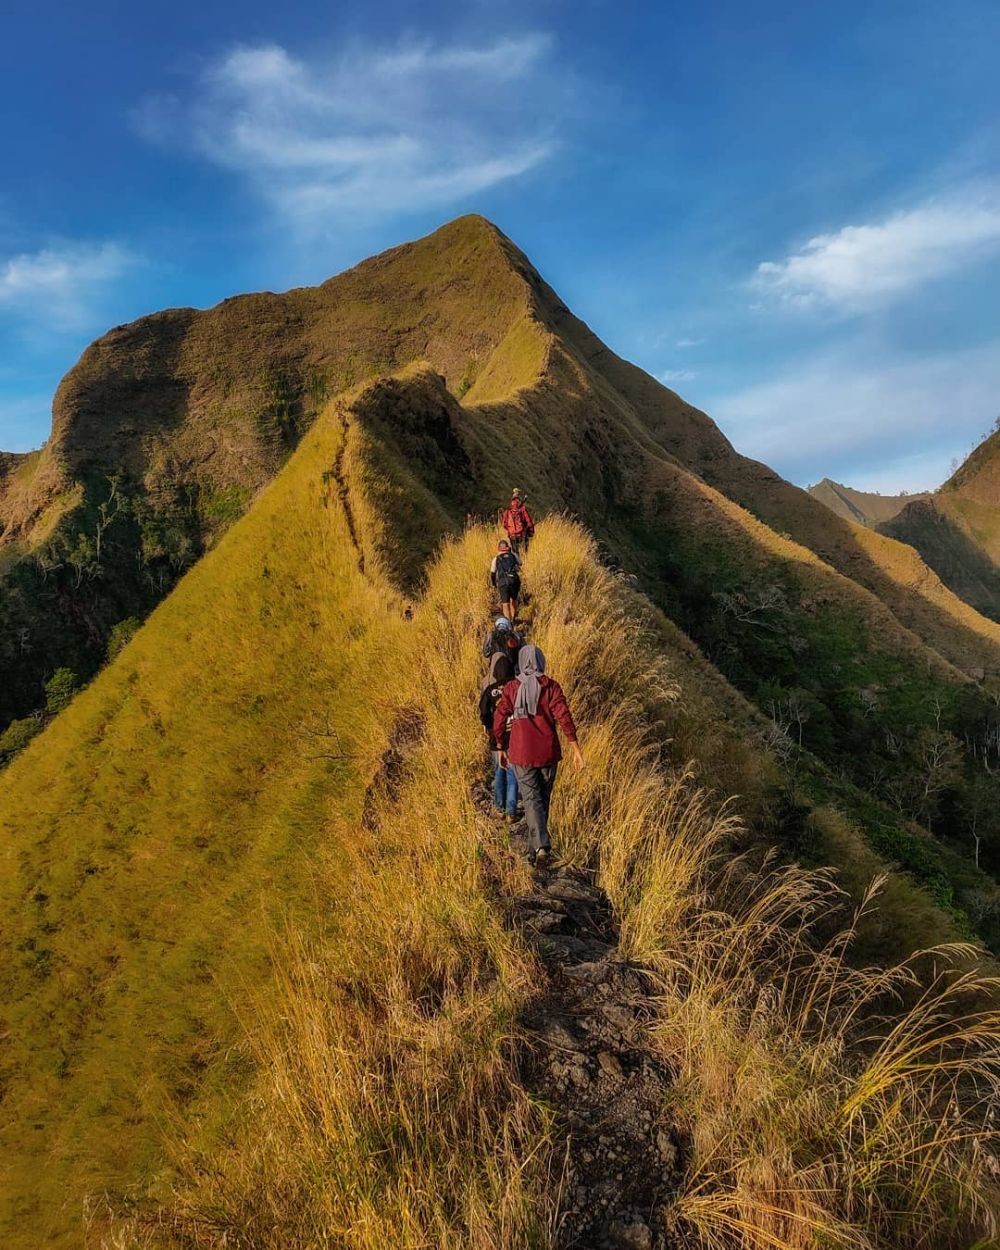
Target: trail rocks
590, 1060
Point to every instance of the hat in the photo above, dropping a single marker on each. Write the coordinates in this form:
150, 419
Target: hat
502, 623
503, 542
516, 490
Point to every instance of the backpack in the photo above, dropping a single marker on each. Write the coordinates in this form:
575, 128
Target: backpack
508, 567
508, 643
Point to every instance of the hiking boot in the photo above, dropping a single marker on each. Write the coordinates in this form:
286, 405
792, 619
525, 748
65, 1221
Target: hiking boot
543, 856
532, 858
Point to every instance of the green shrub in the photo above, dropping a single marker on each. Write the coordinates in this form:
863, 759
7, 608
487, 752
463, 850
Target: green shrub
121, 635
59, 689
17, 735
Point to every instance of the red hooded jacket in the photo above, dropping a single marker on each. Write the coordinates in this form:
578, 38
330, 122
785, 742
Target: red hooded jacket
517, 519
534, 742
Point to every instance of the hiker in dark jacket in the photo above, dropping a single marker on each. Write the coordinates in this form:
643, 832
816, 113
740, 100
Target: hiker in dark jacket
536, 705
518, 523
504, 781
504, 639
505, 574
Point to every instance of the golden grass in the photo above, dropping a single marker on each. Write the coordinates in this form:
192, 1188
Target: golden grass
345, 981
387, 1110
820, 1111
153, 832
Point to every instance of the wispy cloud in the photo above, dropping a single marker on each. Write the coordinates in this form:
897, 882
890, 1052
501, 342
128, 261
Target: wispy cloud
833, 416
860, 266
684, 343
59, 285
372, 132
677, 375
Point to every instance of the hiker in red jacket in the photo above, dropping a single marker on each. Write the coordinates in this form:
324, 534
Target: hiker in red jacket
536, 704
518, 523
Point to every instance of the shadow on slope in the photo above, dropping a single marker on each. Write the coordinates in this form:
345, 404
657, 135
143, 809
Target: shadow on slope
166, 428
950, 547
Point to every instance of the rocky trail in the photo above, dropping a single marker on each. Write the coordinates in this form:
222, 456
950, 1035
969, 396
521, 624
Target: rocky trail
590, 1061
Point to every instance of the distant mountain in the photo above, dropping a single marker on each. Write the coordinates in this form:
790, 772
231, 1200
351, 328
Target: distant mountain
862, 506
955, 529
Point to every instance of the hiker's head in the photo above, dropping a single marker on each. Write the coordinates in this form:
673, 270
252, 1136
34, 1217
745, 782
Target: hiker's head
502, 668
515, 494
530, 661
503, 545
501, 623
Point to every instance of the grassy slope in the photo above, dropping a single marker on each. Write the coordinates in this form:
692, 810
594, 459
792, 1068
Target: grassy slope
957, 530
281, 1010
664, 421
159, 822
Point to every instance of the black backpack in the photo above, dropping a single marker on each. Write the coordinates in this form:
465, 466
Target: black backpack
508, 643
508, 567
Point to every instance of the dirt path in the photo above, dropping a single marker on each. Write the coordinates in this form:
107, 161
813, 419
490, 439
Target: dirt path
589, 1060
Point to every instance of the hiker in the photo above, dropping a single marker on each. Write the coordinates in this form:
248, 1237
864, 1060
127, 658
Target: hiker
504, 781
536, 705
505, 574
518, 523
503, 639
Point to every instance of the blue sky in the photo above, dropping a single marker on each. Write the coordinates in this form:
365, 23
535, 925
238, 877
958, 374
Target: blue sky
789, 212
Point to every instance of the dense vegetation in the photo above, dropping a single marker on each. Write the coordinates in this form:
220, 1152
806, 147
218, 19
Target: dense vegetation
903, 750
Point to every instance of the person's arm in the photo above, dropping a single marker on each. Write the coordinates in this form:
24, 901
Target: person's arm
503, 709
529, 525
560, 710
488, 645
493, 571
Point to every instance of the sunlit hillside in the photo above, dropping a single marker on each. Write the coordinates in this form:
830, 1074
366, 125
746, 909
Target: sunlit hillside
266, 973
264, 990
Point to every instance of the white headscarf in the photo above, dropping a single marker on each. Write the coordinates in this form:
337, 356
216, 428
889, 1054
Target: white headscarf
530, 663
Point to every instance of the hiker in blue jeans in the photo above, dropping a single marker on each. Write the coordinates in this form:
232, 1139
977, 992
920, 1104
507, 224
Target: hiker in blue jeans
504, 780
533, 706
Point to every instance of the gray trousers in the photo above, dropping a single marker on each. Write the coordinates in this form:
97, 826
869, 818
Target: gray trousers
535, 786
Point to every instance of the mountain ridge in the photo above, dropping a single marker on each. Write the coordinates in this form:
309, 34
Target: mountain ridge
955, 529
254, 920
865, 507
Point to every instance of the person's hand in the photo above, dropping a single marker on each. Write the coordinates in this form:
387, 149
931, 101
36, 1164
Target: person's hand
503, 760
578, 761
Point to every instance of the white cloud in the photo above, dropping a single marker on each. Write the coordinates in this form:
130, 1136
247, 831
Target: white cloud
860, 266
893, 426
682, 343
677, 375
372, 132
58, 285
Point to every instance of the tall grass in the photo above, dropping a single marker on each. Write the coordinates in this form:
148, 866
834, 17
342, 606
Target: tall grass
824, 1104
386, 1110
366, 1091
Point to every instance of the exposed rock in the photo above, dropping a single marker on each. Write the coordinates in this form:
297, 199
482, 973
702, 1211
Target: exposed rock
630, 1236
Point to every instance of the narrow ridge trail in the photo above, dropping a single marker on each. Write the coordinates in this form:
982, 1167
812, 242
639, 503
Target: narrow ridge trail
590, 1061
589, 1057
